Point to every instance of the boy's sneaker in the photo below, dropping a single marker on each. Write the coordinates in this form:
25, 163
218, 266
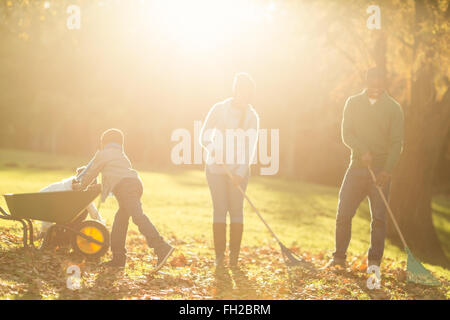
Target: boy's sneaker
335, 263
163, 253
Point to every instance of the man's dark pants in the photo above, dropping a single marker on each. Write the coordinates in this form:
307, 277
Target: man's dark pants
356, 186
128, 193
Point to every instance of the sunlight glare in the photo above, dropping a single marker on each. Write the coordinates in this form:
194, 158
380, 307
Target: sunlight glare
205, 24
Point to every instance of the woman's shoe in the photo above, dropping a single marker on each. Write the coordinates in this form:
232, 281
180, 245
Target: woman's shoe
220, 242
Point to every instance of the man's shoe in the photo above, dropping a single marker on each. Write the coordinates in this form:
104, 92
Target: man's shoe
163, 253
373, 263
335, 263
114, 263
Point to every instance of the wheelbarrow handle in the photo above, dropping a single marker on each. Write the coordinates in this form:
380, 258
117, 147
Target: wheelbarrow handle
4, 215
3, 212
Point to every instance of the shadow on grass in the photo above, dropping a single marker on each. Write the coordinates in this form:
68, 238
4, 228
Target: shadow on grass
223, 284
102, 288
23, 267
35, 274
243, 287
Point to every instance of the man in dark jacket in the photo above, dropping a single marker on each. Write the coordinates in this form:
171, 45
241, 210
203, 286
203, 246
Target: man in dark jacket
372, 127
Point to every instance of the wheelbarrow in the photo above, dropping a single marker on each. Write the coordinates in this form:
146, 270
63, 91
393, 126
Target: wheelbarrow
67, 210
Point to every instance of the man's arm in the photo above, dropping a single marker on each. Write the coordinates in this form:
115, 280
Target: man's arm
347, 133
395, 140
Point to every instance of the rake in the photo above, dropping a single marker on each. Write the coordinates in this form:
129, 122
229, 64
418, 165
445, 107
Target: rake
415, 271
290, 258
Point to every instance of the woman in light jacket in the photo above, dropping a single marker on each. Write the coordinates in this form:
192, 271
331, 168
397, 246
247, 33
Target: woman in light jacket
229, 135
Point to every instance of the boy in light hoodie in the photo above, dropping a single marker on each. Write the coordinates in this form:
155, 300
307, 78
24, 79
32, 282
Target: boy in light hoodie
119, 178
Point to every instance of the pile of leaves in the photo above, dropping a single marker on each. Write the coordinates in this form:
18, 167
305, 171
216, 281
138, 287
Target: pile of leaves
190, 274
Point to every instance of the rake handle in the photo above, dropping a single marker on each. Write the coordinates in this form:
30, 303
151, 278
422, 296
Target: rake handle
388, 207
251, 204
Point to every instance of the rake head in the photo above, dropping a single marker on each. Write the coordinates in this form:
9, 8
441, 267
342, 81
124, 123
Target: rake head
292, 260
416, 272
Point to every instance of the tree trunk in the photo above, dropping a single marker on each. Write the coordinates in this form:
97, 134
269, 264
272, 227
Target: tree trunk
426, 126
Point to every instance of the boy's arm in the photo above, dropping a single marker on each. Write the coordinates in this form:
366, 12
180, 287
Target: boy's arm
92, 170
93, 212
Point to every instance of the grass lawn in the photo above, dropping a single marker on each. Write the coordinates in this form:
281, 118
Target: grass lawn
178, 203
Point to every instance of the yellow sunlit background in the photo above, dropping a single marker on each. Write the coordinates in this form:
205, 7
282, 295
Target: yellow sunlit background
150, 67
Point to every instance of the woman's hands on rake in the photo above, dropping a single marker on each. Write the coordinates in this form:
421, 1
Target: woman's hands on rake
236, 180
366, 159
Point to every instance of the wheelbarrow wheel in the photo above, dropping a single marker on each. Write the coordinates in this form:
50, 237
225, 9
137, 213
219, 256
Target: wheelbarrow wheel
88, 248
